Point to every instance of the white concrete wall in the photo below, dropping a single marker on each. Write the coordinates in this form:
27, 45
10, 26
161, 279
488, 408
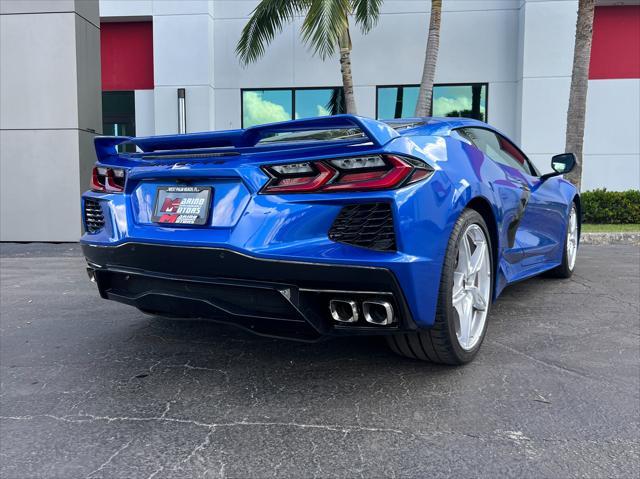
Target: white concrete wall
50, 97
145, 112
547, 32
612, 135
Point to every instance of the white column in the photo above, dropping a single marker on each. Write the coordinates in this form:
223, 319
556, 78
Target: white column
183, 58
546, 38
51, 110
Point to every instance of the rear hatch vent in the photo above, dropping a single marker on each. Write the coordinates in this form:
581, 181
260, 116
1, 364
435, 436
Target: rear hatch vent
366, 225
93, 216
186, 156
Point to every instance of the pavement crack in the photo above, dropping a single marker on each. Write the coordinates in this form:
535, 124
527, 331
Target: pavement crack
555, 366
156, 472
111, 458
205, 442
89, 418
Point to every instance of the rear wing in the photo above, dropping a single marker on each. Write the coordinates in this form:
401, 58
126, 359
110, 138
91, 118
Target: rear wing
377, 132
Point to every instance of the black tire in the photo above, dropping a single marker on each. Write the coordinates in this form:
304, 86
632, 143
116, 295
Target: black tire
564, 270
439, 344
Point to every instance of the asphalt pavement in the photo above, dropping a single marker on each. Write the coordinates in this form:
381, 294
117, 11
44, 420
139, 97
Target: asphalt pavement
91, 388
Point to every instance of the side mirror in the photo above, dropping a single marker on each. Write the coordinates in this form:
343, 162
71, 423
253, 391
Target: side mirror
561, 164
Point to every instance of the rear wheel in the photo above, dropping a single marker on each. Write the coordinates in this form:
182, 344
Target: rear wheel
464, 299
565, 269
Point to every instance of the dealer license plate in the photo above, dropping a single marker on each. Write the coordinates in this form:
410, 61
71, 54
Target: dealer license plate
182, 205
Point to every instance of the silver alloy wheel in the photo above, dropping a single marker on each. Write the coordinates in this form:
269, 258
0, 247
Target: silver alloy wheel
572, 238
471, 286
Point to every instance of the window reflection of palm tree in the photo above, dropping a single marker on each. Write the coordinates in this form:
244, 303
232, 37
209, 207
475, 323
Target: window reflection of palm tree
476, 91
336, 104
399, 101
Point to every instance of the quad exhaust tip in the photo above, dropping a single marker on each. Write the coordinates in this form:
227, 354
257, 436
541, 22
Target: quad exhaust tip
375, 312
378, 312
343, 311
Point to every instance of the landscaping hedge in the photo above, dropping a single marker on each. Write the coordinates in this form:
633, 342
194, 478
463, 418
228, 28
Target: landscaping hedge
614, 207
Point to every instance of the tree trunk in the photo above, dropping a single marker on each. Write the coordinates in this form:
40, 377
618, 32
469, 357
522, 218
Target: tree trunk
579, 83
423, 107
345, 69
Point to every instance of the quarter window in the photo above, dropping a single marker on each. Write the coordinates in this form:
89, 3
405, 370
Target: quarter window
498, 148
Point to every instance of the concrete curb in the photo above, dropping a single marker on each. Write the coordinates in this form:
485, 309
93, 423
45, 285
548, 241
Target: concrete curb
610, 238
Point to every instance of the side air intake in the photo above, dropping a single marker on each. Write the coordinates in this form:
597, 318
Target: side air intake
93, 216
366, 225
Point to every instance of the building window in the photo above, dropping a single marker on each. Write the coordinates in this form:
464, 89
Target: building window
282, 104
399, 101
119, 115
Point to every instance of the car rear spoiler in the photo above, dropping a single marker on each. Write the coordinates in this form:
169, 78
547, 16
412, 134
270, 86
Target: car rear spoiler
377, 132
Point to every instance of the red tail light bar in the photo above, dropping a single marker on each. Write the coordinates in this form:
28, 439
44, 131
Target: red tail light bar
363, 173
107, 180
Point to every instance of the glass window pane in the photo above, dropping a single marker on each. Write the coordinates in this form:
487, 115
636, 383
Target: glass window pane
266, 106
387, 97
496, 147
119, 115
319, 102
409, 101
469, 101
397, 102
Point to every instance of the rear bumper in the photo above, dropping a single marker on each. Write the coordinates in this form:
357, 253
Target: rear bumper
270, 297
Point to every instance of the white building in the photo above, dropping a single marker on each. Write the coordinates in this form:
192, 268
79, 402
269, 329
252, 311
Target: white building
514, 55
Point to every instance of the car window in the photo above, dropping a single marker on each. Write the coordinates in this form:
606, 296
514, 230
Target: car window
498, 148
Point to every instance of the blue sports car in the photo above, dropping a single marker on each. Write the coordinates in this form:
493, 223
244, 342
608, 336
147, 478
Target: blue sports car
329, 226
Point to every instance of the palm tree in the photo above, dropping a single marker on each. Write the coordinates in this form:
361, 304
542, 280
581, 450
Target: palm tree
423, 107
579, 83
325, 28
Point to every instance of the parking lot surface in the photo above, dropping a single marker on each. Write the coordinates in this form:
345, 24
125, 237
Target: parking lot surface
92, 388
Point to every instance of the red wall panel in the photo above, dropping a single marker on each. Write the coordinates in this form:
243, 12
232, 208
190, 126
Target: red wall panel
126, 50
615, 52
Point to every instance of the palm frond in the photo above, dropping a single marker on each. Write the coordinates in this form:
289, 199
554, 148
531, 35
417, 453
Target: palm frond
325, 22
367, 13
266, 20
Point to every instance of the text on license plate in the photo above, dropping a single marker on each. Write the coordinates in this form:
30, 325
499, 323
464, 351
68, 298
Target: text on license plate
186, 205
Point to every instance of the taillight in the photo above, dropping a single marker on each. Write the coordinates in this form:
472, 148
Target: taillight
108, 180
374, 172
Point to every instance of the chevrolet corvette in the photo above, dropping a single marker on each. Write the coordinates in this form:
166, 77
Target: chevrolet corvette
329, 226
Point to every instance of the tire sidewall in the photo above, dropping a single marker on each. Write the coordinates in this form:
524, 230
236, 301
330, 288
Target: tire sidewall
565, 256
563, 270
467, 218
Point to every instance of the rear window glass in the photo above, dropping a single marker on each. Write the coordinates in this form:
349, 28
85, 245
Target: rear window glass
313, 135
331, 134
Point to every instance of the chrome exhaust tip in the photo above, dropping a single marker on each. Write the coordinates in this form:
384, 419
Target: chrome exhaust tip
379, 313
343, 311
92, 274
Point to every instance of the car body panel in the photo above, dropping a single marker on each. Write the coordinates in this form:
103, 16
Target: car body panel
293, 227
